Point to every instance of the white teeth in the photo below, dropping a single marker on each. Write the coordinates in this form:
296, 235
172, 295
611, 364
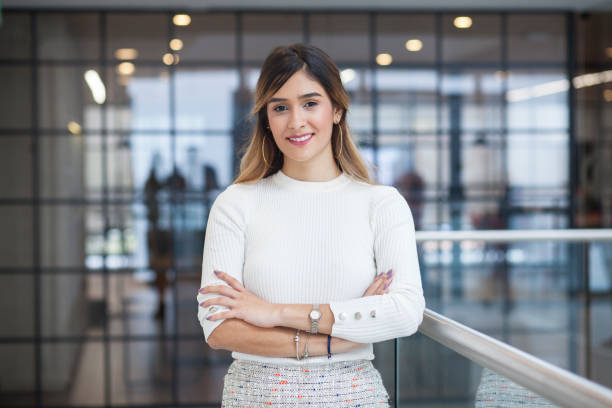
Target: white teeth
300, 139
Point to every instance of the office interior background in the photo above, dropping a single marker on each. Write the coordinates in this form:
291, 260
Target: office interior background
118, 128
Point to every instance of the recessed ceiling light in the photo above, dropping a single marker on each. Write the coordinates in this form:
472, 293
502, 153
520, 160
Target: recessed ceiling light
126, 68
181, 19
414, 45
126, 53
462, 22
384, 59
176, 44
170, 59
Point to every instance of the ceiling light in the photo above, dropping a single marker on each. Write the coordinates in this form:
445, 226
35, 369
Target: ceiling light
74, 128
126, 53
176, 44
384, 59
609, 52
125, 68
347, 75
181, 19
98, 91
170, 59
414, 45
462, 22
607, 94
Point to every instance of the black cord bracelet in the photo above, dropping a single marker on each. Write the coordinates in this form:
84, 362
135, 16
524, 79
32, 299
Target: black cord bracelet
329, 346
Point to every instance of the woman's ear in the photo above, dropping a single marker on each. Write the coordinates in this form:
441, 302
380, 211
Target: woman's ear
338, 115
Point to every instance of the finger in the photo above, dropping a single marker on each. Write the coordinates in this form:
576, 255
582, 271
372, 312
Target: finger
233, 282
220, 289
220, 316
220, 301
371, 290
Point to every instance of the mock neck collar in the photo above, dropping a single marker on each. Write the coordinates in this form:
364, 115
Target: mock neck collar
287, 182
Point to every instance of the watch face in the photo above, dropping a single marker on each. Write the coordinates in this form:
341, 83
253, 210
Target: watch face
315, 315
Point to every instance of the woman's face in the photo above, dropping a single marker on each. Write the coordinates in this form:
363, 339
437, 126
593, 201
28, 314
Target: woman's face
301, 117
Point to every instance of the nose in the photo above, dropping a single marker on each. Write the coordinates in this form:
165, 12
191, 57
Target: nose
296, 121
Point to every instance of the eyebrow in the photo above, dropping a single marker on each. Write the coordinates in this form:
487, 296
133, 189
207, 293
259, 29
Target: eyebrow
305, 96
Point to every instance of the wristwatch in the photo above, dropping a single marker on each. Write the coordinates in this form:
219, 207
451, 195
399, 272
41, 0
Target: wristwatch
315, 316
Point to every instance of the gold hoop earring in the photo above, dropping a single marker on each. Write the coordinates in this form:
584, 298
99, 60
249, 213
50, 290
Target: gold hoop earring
263, 152
340, 152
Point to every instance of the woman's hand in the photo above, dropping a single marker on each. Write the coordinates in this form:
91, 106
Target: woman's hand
242, 304
380, 285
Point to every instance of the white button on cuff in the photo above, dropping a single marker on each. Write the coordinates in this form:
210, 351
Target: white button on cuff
357, 315
341, 315
373, 314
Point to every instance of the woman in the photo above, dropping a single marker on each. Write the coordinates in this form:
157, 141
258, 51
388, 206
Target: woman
306, 261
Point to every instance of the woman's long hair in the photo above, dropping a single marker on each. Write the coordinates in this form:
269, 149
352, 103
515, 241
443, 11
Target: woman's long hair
278, 67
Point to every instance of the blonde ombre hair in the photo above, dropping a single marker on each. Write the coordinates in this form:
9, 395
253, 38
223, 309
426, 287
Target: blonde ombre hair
278, 67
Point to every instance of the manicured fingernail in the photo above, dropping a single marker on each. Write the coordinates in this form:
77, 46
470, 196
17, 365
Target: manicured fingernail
217, 272
202, 304
207, 317
386, 286
390, 273
380, 274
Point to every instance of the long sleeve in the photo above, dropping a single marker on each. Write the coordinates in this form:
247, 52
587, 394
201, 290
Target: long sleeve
400, 312
224, 248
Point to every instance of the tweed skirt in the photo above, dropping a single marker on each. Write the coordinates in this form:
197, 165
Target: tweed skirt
340, 384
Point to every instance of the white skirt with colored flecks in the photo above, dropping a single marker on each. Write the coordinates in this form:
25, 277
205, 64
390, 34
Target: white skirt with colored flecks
339, 384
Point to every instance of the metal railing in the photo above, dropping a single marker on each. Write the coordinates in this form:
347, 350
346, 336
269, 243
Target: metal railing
549, 381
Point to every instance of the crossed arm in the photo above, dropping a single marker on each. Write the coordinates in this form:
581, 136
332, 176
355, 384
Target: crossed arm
255, 326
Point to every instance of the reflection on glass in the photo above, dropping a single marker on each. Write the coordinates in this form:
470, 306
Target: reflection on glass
15, 82
209, 37
16, 293
67, 378
546, 112
145, 32
16, 234
538, 160
201, 383
65, 96
205, 99
61, 170
342, 37
394, 30
15, 42
18, 374
432, 375
261, 33
62, 235
16, 166
471, 100
142, 372
68, 36
139, 101
528, 35
479, 43
407, 101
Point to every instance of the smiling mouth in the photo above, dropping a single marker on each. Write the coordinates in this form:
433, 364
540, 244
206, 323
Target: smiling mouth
301, 138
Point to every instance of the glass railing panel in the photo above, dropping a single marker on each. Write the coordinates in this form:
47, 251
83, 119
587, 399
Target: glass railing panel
552, 299
431, 375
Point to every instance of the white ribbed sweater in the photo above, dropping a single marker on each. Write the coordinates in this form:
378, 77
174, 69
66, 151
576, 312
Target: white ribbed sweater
292, 241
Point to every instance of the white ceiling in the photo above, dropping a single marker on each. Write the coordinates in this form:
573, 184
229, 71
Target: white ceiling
473, 5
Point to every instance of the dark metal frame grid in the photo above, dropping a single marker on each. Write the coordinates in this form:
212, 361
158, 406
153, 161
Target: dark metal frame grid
34, 62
